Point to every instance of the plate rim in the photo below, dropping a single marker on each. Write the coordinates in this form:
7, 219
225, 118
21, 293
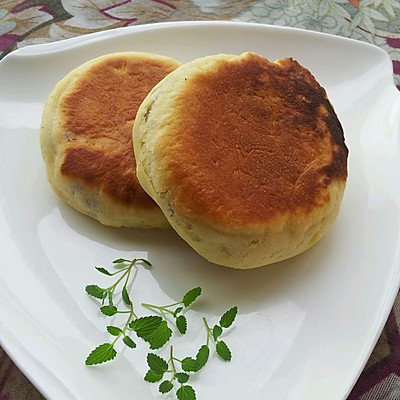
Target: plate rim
34, 50
78, 41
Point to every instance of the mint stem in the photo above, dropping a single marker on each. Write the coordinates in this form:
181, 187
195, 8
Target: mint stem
208, 329
161, 309
171, 358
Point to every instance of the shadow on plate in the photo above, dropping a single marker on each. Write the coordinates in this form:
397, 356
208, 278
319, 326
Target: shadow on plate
178, 268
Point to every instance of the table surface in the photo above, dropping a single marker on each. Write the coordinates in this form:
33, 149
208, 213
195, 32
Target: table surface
24, 23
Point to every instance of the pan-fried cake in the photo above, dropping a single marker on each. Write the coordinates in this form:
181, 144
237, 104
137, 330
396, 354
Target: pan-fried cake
245, 157
86, 137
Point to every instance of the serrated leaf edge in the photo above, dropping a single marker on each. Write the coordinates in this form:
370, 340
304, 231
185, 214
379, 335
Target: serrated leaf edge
96, 350
224, 348
228, 317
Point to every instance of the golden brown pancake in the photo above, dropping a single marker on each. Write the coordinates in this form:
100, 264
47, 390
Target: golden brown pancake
245, 157
86, 137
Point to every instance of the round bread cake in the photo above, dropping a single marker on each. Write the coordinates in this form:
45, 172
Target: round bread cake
245, 157
86, 137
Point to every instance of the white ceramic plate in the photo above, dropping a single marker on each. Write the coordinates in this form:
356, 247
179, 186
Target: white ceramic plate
305, 326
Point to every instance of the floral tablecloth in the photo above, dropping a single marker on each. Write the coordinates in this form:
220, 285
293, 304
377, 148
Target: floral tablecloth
30, 22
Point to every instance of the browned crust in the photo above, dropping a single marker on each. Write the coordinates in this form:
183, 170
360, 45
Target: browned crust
97, 117
254, 140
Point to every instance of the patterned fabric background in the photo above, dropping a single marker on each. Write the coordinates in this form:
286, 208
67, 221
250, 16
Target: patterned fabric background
30, 22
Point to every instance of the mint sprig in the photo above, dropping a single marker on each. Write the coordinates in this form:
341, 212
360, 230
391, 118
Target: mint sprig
106, 351
176, 308
216, 331
158, 368
155, 330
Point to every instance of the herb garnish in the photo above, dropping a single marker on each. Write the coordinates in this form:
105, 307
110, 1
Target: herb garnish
155, 330
158, 366
180, 320
106, 351
225, 321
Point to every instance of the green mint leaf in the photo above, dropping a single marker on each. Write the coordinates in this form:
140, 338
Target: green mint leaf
156, 363
165, 387
228, 317
129, 342
186, 392
125, 296
182, 377
223, 351
181, 324
114, 330
104, 352
95, 291
160, 336
109, 310
191, 296
120, 261
145, 327
146, 262
152, 377
177, 311
190, 365
104, 271
202, 355
216, 332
